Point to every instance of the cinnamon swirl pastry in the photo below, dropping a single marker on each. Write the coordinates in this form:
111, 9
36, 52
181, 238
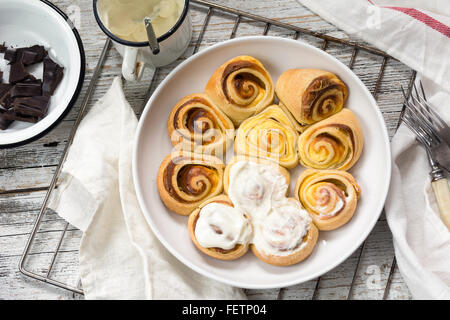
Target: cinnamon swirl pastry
286, 236
196, 125
334, 143
253, 185
241, 88
270, 134
185, 180
311, 95
330, 196
219, 230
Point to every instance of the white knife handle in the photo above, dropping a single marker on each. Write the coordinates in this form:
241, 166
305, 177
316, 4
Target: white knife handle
442, 193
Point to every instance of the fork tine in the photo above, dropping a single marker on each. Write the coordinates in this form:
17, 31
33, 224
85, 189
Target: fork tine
423, 91
412, 120
425, 123
424, 99
433, 115
419, 136
425, 110
424, 135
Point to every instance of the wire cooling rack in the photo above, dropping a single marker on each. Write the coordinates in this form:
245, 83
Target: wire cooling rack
237, 19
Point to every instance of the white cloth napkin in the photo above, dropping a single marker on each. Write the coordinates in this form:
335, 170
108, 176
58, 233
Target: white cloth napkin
417, 33
120, 258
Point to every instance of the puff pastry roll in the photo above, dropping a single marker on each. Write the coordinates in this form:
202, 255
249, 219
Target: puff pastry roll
270, 134
219, 230
334, 143
286, 236
196, 125
241, 88
330, 196
185, 180
311, 95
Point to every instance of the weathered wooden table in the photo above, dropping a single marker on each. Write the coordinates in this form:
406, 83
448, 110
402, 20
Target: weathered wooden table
26, 172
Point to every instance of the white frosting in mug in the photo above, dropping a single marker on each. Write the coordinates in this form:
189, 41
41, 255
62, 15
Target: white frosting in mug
125, 18
222, 226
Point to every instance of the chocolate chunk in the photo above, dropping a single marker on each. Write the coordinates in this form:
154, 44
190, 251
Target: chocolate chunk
33, 54
10, 55
31, 106
4, 88
27, 89
28, 56
24, 97
18, 73
53, 74
4, 123
12, 116
5, 95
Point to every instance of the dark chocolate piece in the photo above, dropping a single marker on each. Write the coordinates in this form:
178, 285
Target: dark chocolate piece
53, 74
10, 55
5, 95
31, 106
4, 88
27, 89
18, 73
4, 123
12, 116
33, 54
28, 56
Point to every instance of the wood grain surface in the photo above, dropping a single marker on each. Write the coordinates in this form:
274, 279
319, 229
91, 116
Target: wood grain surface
26, 171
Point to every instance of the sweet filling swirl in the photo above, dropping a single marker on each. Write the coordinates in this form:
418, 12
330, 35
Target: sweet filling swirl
196, 122
327, 194
329, 147
244, 83
324, 97
324, 199
269, 135
190, 182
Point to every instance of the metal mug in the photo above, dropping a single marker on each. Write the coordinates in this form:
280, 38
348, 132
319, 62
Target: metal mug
137, 55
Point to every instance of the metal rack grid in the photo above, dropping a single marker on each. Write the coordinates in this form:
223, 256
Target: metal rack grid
239, 17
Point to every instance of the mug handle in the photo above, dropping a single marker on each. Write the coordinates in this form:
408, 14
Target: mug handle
132, 68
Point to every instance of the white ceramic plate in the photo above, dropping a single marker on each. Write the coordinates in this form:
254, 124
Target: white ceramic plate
26, 23
152, 144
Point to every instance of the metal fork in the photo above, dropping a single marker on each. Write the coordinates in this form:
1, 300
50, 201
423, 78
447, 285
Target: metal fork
428, 136
431, 124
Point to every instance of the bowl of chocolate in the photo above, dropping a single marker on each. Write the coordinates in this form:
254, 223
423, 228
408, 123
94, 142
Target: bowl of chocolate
42, 67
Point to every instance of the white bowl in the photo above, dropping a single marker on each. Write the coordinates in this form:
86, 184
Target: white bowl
152, 144
26, 23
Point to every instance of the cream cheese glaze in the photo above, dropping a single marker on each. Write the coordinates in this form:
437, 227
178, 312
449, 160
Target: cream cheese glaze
279, 223
222, 226
324, 210
255, 187
282, 232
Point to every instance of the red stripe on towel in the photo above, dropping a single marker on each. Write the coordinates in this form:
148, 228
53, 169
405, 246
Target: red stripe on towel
422, 17
426, 19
